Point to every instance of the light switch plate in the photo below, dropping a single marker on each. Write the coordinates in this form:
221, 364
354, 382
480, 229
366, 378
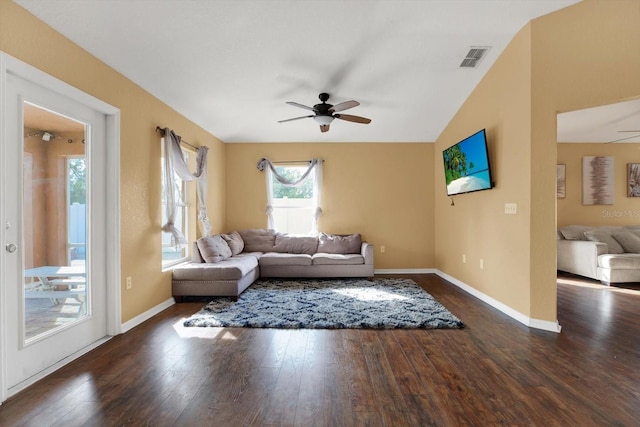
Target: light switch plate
510, 208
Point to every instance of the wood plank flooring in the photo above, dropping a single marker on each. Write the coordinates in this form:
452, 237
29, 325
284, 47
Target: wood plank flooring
494, 372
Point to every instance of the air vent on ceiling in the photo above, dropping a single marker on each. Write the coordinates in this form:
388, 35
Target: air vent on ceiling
473, 57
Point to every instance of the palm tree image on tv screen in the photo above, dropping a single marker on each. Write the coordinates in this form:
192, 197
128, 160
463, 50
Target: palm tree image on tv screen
466, 165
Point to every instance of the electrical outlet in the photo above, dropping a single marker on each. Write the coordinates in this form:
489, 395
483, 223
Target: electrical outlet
510, 208
481, 264
129, 285
382, 249
464, 259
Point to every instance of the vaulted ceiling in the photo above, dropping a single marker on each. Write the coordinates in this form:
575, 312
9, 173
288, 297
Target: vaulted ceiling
231, 65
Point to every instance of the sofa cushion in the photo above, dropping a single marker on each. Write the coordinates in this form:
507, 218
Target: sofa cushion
235, 242
605, 235
620, 261
574, 232
629, 241
233, 268
258, 239
273, 258
339, 244
296, 244
337, 259
213, 248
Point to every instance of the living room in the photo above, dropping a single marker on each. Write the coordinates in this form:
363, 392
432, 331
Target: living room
578, 57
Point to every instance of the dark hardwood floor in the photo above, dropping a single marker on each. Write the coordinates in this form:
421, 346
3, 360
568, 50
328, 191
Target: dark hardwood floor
494, 372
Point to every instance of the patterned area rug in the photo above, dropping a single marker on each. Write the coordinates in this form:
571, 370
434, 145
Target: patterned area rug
329, 304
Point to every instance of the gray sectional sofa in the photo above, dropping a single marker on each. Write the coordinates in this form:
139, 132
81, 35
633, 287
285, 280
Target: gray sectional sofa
610, 254
227, 264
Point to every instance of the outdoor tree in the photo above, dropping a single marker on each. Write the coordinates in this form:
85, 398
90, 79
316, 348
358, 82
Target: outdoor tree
77, 181
304, 191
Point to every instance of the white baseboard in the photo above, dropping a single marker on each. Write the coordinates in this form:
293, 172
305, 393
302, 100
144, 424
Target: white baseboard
544, 325
406, 271
130, 324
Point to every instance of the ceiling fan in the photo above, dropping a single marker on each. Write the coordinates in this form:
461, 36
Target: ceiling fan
325, 113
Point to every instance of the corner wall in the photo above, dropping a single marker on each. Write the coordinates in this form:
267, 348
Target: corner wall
476, 226
25, 37
582, 56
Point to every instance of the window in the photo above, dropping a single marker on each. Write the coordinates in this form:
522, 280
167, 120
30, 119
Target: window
174, 254
76, 172
293, 207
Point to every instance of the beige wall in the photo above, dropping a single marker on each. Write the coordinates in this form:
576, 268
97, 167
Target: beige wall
383, 191
25, 37
624, 211
582, 56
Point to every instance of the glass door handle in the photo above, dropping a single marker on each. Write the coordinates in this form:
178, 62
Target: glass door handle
11, 248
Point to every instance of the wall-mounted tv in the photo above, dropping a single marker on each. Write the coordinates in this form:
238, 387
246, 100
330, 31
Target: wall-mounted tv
466, 165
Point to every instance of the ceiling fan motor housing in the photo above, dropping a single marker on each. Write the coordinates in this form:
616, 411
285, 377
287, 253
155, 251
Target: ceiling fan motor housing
323, 109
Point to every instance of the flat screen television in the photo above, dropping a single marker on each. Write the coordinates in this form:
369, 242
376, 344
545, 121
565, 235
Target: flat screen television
466, 165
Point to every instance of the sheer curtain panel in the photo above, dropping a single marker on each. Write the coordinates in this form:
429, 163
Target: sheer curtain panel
174, 162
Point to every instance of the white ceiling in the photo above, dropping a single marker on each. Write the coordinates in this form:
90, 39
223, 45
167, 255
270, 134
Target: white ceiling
230, 65
619, 123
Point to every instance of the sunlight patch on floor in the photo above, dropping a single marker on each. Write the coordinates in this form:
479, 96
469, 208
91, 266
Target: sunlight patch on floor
596, 285
366, 294
206, 333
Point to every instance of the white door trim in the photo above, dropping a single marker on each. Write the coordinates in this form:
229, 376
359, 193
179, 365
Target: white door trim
10, 65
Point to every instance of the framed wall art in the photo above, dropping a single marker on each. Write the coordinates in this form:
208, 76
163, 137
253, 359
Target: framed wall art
633, 179
597, 180
560, 181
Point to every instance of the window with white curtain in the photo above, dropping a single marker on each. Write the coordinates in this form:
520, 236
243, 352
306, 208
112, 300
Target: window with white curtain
293, 207
179, 253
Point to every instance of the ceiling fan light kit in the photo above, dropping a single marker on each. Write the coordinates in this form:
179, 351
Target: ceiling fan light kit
325, 113
323, 120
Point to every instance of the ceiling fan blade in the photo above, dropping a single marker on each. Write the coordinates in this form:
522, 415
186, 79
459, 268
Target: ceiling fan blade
295, 118
344, 106
350, 118
295, 104
623, 139
324, 128
634, 131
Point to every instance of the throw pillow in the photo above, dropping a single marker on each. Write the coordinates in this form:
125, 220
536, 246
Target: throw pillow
235, 242
258, 239
574, 232
629, 241
604, 235
296, 244
339, 244
213, 248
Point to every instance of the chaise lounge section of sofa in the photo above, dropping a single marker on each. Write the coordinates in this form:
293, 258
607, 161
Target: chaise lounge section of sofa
610, 254
227, 264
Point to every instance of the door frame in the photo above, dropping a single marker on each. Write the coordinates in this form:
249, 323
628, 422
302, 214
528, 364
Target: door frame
10, 65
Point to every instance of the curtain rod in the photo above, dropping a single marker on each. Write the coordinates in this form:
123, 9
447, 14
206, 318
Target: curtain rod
292, 161
182, 141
